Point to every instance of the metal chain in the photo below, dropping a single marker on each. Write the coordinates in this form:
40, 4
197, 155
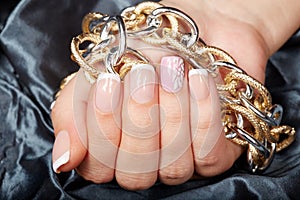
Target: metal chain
249, 118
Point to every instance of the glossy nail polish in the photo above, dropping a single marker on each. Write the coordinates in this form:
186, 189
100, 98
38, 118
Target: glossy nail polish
172, 73
142, 83
198, 83
108, 92
61, 150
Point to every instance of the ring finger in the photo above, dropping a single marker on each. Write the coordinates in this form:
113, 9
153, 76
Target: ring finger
176, 159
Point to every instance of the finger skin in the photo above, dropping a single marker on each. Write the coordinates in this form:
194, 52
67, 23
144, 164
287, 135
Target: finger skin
173, 146
72, 100
176, 158
137, 161
213, 153
103, 135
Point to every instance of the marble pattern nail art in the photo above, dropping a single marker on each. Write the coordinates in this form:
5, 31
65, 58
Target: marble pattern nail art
172, 73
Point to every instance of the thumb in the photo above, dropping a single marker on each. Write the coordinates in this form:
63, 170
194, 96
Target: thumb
68, 118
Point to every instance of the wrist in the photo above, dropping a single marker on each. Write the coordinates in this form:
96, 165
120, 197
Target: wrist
207, 12
235, 34
275, 21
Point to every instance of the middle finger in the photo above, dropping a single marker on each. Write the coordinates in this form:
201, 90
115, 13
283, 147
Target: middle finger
138, 155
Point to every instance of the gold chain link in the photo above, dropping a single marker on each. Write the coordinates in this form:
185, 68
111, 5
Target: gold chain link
235, 82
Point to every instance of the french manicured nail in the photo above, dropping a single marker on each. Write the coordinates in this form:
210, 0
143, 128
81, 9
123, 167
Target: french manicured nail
108, 92
61, 150
142, 83
198, 83
172, 73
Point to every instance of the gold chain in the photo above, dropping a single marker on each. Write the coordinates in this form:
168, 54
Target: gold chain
246, 103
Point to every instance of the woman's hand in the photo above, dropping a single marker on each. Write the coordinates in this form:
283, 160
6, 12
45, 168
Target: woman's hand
162, 122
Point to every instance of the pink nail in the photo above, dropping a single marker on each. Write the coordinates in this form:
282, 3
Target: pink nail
172, 73
108, 92
198, 83
142, 83
61, 150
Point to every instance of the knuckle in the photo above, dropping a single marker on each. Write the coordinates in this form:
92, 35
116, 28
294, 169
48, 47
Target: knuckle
141, 120
205, 123
139, 113
175, 175
139, 133
212, 165
91, 169
110, 134
208, 161
96, 175
172, 105
135, 181
172, 109
173, 116
207, 166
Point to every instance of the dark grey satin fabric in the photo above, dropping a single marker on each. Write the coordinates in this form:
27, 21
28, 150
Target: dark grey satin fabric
34, 57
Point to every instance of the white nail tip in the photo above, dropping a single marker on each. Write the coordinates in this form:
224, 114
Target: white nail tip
63, 159
108, 76
202, 72
142, 66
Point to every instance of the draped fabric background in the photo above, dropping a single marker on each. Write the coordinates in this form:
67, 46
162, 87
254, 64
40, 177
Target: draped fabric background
34, 56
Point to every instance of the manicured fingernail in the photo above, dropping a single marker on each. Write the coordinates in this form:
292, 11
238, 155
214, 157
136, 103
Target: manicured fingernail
108, 92
172, 73
142, 82
61, 150
198, 83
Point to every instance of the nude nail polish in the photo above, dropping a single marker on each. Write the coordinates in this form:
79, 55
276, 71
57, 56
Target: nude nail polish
108, 92
198, 83
61, 150
172, 73
142, 83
